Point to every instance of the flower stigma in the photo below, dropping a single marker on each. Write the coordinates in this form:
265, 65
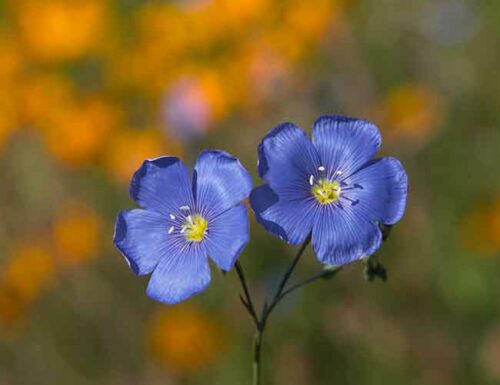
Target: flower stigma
195, 228
326, 191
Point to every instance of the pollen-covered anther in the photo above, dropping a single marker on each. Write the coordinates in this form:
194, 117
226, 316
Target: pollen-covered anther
326, 191
195, 228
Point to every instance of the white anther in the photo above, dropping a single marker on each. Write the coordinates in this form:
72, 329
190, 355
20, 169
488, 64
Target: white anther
311, 180
321, 168
189, 219
171, 230
338, 172
172, 216
183, 229
184, 208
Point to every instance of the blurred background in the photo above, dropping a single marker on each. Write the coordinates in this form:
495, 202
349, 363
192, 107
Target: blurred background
89, 89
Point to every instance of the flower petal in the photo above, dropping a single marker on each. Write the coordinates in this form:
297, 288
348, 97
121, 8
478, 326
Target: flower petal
382, 197
290, 220
287, 159
340, 236
345, 144
162, 184
227, 235
183, 273
220, 181
141, 236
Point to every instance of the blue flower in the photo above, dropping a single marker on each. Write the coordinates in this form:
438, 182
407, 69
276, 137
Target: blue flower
330, 187
181, 223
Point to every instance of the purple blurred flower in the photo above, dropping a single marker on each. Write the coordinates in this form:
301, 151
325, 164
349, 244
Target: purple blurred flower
186, 110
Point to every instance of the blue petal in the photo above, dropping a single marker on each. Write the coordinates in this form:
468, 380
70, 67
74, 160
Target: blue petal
287, 159
141, 236
290, 220
382, 197
162, 184
340, 236
227, 236
345, 144
219, 182
183, 273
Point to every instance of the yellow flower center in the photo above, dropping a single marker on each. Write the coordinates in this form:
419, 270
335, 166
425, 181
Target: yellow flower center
326, 191
195, 228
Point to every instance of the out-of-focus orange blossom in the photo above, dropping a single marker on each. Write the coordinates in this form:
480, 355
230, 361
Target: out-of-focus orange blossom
412, 111
127, 151
43, 97
480, 229
183, 339
29, 270
236, 15
210, 35
76, 235
76, 136
8, 121
59, 30
26, 274
309, 20
11, 65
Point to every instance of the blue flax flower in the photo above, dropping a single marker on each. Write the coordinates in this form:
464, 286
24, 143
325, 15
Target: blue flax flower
330, 187
182, 222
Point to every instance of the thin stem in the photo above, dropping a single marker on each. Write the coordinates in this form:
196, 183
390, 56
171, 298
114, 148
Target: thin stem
268, 306
266, 311
321, 274
247, 301
257, 348
276, 298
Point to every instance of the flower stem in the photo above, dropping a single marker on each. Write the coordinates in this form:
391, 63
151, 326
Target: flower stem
268, 307
247, 300
257, 348
321, 274
266, 311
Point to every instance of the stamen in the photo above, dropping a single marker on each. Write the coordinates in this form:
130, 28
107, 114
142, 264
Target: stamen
321, 168
185, 208
326, 191
183, 229
353, 202
354, 187
172, 216
171, 230
195, 228
311, 180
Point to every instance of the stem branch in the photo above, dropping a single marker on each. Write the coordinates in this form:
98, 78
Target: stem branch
268, 306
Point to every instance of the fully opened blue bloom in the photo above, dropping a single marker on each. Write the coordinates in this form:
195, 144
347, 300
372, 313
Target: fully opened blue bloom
182, 222
330, 187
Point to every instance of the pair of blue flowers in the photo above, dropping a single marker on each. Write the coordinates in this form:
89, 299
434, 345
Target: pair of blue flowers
329, 188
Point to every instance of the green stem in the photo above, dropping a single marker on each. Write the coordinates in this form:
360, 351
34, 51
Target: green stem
321, 274
257, 348
268, 307
266, 311
247, 300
